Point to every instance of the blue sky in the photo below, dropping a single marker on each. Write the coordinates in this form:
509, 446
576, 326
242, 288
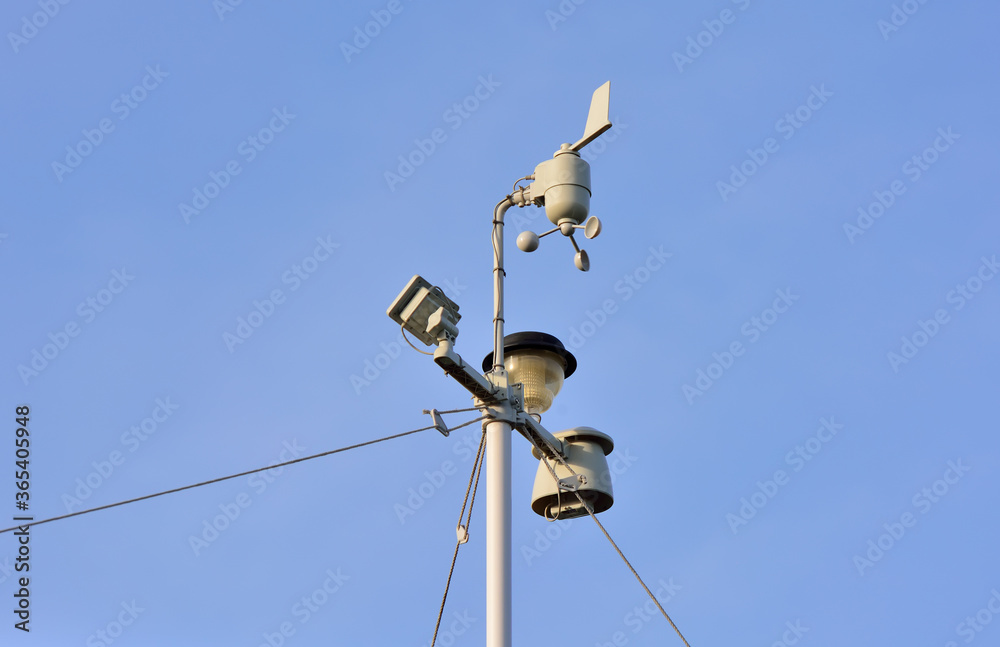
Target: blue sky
789, 326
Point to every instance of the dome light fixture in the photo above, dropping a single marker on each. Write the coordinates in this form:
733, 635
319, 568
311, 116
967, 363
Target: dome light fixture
540, 363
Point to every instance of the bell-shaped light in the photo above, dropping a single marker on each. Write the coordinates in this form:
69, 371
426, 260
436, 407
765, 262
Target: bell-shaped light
540, 363
586, 469
541, 373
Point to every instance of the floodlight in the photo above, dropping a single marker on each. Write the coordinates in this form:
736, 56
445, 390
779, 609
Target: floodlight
425, 311
540, 363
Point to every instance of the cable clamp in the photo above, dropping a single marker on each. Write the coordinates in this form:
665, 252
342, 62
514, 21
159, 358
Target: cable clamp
572, 483
438, 422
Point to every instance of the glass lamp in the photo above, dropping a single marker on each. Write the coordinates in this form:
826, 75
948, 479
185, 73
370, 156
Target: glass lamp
538, 361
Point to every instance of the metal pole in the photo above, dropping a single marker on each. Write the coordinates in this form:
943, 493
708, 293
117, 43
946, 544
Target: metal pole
498, 480
498, 537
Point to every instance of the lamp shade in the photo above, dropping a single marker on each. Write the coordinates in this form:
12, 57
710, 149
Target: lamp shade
540, 363
586, 452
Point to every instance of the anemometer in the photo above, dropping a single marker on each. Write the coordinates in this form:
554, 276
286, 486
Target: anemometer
562, 186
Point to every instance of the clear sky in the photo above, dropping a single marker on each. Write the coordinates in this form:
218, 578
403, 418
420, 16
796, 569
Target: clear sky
789, 327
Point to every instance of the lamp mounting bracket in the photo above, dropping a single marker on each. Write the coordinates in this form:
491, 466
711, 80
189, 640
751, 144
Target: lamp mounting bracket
572, 483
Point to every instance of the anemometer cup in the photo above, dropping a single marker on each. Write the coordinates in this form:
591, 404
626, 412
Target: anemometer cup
527, 241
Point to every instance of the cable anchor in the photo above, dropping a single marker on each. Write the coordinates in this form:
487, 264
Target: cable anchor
438, 421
